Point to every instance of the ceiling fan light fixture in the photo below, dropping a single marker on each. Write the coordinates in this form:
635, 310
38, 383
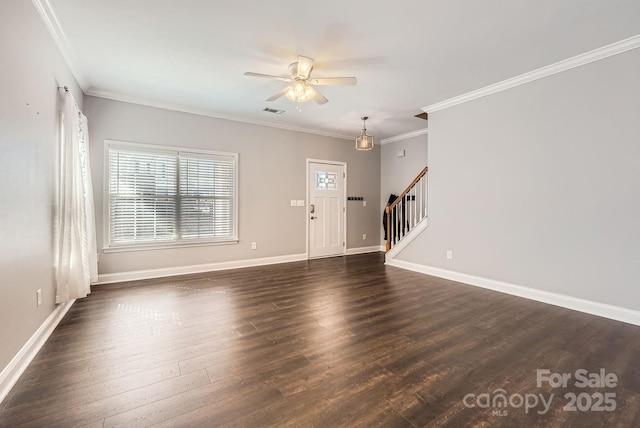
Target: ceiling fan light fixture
300, 92
364, 141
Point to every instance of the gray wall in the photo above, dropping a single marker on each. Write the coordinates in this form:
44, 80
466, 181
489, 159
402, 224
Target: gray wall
272, 171
396, 173
31, 69
539, 185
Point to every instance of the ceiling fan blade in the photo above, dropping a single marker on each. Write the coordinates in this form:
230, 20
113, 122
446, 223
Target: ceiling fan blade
305, 65
344, 81
267, 76
278, 95
320, 99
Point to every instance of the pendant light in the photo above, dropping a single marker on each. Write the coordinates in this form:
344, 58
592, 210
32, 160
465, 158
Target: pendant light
364, 141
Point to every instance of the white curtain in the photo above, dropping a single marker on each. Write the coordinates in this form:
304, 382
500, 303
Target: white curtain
76, 264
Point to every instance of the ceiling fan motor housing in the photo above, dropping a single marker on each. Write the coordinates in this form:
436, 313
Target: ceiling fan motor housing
298, 74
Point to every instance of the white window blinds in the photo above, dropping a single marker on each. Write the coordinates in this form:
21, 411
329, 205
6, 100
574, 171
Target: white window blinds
161, 196
206, 196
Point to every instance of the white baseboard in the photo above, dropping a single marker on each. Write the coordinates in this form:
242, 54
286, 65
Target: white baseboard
109, 278
590, 307
363, 250
12, 372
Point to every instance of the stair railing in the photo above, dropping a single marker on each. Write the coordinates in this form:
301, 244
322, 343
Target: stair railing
409, 209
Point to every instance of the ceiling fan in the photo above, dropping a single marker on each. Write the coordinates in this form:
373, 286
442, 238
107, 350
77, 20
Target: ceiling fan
301, 88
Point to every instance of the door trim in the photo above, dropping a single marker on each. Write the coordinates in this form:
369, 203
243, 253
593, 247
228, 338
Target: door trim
344, 199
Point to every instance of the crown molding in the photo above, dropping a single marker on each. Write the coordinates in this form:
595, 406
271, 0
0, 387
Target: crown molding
48, 16
209, 113
558, 67
404, 136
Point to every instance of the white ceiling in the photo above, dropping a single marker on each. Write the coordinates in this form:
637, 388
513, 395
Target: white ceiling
406, 54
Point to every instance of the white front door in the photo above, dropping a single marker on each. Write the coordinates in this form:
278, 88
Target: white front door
326, 209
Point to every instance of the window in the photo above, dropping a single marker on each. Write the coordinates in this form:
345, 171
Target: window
160, 196
326, 180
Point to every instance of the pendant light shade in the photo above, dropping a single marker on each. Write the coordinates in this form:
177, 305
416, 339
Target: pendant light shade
364, 141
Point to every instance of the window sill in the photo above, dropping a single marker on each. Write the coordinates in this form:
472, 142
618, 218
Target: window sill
165, 246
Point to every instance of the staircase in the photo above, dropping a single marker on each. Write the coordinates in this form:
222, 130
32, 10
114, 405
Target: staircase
408, 211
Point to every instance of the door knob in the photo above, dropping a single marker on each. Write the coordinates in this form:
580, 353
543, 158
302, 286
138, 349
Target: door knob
313, 217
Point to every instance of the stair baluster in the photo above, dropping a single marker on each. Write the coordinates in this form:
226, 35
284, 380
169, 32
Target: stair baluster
408, 210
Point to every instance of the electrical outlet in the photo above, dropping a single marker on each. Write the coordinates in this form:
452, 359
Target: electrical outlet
449, 254
364, 236
254, 246
38, 296
364, 203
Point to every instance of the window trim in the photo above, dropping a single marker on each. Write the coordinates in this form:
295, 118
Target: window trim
108, 247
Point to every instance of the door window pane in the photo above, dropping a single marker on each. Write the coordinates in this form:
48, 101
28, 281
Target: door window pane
326, 180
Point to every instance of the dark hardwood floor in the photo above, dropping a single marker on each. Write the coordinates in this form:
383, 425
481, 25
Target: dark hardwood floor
333, 342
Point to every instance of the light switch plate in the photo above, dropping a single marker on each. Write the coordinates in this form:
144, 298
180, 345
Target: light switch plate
293, 202
300, 202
